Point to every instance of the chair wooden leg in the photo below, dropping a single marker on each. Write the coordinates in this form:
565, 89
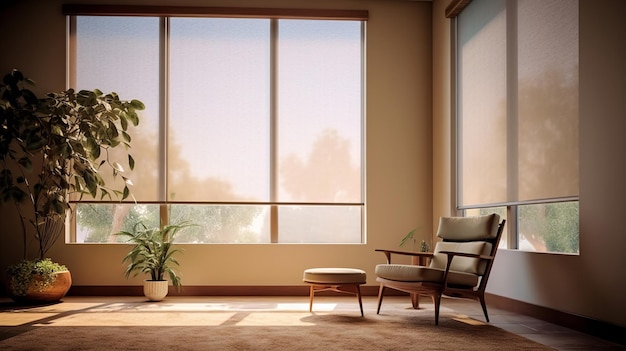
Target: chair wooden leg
415, 300
437, 302
380, 297
484, 306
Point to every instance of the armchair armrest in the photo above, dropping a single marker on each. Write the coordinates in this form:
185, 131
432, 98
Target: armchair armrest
388, 254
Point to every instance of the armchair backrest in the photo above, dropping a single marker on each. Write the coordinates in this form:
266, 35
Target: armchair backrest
469, 228
474, 235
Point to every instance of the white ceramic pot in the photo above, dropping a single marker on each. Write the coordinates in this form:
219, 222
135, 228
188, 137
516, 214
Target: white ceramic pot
155, 290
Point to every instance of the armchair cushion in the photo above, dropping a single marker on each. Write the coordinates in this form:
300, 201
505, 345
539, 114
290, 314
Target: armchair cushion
413, 273
461, 264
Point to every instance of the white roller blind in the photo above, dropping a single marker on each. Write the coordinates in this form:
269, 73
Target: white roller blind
482, 102
106, 58
518, 101
219, 109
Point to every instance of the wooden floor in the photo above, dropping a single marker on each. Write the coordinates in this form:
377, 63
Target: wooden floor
555, 336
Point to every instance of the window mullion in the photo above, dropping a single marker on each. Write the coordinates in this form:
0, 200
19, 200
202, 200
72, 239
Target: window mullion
163, 117
512, 102
512, 122
273, 130
512, 239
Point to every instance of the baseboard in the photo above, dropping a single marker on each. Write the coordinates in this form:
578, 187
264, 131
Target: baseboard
210, 290
603, 330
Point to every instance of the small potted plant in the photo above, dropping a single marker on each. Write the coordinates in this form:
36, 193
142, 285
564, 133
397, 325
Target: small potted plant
52, 148
410, 237
153, 254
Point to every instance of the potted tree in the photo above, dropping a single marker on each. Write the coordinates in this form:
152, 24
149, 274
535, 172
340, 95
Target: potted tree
153, 254
52, 148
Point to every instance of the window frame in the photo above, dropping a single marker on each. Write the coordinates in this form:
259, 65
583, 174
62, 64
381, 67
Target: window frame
512, 235
164, 13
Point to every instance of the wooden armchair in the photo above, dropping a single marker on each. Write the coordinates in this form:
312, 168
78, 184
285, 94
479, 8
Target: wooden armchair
458, 267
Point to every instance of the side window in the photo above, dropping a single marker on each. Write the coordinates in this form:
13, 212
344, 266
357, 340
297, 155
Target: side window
518, 119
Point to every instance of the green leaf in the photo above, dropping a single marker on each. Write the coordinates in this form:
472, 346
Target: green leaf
57, 206
407, 237
112, 131
103, 193
126, 136
124, 123
90, 182
93, 148
118, 167
133, 117
30, 97
137, 105
26, 162
131, 162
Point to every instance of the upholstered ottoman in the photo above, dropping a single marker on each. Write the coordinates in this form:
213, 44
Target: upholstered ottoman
342, 280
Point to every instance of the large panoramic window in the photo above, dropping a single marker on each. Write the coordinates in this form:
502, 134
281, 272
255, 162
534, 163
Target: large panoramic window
518, 119
253, 129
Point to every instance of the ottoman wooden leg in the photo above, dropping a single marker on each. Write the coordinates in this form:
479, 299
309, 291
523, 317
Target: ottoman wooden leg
311, 293
358, 294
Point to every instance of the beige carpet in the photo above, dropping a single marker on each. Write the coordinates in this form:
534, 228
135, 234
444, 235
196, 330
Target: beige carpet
213, 323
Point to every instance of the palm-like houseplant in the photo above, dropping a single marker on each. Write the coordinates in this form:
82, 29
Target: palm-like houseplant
53, 148
153, 255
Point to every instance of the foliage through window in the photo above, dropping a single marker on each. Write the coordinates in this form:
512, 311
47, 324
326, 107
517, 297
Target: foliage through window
549, 227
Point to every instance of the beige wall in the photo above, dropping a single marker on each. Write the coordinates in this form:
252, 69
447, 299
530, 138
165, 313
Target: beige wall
398, 146
591, 284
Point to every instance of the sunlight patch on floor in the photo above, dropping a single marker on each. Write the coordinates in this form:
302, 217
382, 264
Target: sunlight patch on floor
160, 306
141, 319
14, 319
467, 320
165, 313
209, 307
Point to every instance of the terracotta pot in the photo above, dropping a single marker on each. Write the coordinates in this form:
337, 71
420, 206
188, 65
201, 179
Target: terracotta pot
155, 290
53, 293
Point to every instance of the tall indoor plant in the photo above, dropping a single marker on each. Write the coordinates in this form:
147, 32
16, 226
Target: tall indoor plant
152, 254
52, 148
